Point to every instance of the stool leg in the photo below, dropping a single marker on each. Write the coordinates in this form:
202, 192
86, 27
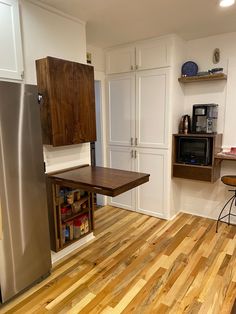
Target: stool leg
219, 217
231, 208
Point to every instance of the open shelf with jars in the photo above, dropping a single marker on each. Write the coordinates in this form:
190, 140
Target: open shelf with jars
70, 214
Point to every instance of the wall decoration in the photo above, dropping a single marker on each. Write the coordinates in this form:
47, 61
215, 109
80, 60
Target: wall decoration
216, 56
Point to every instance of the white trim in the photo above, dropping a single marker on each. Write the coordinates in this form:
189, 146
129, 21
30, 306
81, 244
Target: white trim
69, 249
56, 11
151, 213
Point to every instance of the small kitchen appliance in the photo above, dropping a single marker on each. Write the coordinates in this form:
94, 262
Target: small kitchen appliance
204, 118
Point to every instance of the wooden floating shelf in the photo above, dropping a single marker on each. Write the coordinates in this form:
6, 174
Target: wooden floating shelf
73, 216
192, 165
210, 77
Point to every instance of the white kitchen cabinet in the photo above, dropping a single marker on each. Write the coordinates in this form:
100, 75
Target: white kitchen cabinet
154, 53
144, 122
121, 158
143, 55
11, 60
151, 196
152, 104
120, 60
121, 103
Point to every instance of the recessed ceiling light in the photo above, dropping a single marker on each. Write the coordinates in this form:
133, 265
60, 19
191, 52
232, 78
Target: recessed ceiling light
226, 3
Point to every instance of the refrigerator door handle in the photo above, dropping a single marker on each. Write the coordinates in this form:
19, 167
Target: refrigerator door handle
0, 221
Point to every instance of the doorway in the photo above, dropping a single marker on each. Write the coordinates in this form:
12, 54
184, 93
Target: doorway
97, 157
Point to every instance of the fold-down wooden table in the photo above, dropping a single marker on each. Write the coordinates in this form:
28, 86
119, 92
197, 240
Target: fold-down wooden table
101, 180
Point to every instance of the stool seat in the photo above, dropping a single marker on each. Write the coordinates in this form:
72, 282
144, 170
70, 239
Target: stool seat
229, 180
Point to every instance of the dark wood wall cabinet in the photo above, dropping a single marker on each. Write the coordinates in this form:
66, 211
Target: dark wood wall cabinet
194, 170
67, 104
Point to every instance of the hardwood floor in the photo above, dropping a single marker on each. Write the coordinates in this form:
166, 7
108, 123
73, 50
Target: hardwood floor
141, 264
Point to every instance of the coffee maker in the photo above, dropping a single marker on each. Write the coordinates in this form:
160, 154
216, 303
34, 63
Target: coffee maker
205, 118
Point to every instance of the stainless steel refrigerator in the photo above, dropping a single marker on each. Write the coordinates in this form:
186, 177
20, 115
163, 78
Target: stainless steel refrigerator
24, 233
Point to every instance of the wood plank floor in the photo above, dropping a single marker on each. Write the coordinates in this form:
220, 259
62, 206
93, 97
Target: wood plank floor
141, 264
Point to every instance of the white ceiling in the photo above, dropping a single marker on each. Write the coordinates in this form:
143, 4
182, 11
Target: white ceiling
112, 22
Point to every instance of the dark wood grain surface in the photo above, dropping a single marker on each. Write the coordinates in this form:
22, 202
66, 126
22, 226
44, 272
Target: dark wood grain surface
106, 181
68, 105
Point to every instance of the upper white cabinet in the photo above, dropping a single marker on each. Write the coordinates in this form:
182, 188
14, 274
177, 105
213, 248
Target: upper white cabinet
138, 108
11, 60
121, 102
153, 54
144, 55
120, 60
152, 102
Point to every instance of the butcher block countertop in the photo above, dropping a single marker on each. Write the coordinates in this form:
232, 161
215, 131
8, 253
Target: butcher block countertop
101, 180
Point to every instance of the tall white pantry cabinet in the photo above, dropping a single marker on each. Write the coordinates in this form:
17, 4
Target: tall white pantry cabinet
142, 87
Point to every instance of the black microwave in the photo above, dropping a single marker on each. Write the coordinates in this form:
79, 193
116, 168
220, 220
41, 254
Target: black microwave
194, 150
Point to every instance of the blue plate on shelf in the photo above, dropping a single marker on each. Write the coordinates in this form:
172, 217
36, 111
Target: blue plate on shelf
189, 68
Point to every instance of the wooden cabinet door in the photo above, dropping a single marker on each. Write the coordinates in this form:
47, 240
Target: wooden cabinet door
68, 106
151, 197
120, 60
11, 60
151, 54
121, 158
152, 104
121, 105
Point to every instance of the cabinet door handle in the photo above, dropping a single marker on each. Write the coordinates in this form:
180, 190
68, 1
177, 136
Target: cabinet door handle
132, 68
136, 67
135, 154
132, 154
136, 141
40, 98
131, 141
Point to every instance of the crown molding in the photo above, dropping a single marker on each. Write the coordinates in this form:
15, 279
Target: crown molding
55, 11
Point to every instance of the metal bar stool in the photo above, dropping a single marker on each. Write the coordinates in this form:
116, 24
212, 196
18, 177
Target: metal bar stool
231, 181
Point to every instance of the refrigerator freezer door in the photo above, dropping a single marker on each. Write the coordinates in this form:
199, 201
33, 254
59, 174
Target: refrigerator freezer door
25, 246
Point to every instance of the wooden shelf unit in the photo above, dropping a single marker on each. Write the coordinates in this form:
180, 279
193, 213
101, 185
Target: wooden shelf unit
203, 78
56, 222
209, 173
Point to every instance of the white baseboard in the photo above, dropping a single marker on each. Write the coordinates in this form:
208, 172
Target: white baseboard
69, 249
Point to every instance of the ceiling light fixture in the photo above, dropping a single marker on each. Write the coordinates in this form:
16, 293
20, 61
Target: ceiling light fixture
226, 3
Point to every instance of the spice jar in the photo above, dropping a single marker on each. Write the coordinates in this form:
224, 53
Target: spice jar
63, 213
70, 198
77, 224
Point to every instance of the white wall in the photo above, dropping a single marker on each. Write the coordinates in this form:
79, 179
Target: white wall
98, 58
197, 197
47, 32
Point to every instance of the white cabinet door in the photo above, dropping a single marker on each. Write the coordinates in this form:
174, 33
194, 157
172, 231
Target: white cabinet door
11, 64
121, 106
120, 60
151, 196
121, 158
152, 102
152, 54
